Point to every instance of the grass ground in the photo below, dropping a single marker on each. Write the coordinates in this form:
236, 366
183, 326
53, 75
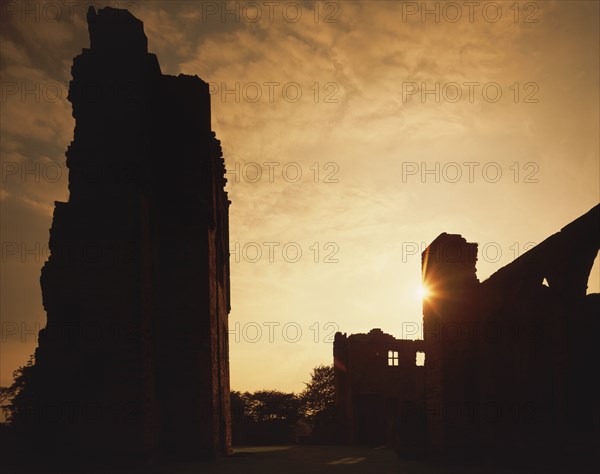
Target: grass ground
320, 460
314, 460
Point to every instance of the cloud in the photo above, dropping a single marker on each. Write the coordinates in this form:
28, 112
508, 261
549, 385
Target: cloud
352, 113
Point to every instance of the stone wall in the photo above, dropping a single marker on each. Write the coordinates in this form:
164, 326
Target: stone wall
376, 379
133, 361
509, 361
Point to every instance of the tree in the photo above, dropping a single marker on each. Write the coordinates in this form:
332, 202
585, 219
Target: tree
238, 407
264, 417
271, 405
318, 396
15, 400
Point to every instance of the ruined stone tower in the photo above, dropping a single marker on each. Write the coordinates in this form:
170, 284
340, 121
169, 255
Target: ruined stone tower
509, 360
133, 361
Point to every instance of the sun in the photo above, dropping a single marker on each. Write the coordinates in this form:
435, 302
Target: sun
423, 292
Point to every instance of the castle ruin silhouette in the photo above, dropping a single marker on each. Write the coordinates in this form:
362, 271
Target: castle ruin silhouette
509, 361
133, 362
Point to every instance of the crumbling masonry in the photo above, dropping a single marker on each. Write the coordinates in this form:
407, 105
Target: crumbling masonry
133, 361
376, 376
509, 362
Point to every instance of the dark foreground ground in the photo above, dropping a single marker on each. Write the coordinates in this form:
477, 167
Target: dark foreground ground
325, 459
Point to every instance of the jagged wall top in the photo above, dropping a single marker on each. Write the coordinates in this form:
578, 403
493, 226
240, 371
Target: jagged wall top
116, 30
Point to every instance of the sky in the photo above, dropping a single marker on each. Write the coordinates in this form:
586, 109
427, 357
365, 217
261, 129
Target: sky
354, 133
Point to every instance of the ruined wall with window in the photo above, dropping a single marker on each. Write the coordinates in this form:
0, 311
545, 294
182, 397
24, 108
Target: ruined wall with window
376, 379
